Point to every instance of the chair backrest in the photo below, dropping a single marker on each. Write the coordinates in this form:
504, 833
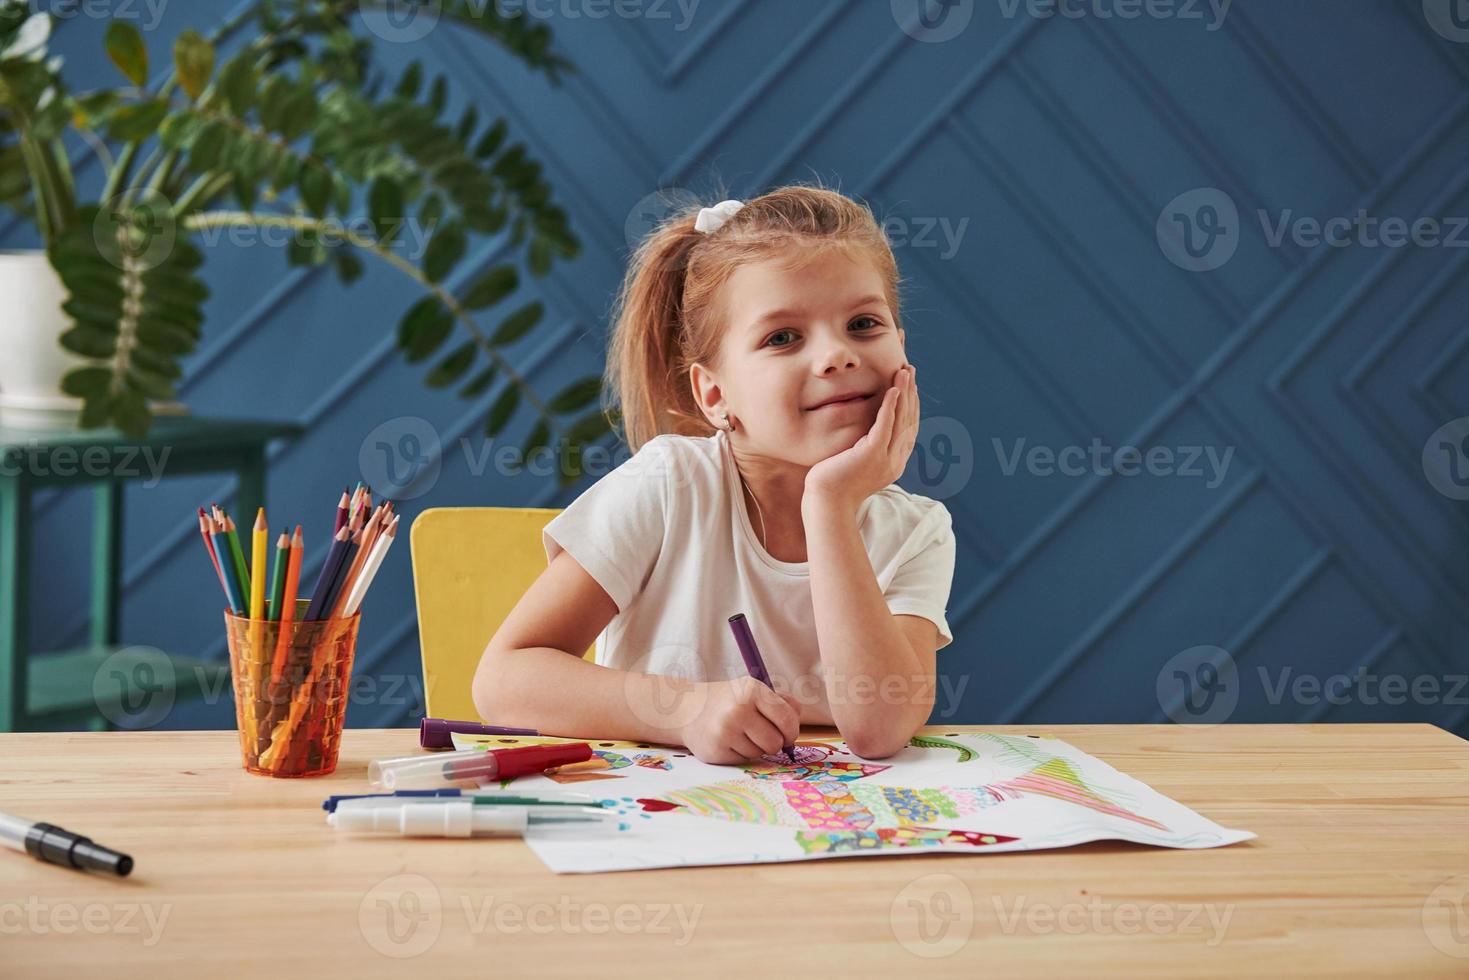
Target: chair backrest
471, 565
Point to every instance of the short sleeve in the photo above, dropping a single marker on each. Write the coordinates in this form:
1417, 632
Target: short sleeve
921, 585
615, 529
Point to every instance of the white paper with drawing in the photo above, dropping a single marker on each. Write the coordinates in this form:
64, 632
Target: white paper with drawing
973, 793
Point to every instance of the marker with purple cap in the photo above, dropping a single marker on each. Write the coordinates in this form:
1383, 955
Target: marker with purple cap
754, 663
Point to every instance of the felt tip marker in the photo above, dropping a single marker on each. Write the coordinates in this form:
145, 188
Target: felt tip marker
48, 842
463, 818
754, 663
419, 772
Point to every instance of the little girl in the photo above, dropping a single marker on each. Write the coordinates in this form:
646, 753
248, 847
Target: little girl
769, 404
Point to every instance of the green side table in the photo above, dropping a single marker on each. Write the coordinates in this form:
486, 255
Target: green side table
57, 688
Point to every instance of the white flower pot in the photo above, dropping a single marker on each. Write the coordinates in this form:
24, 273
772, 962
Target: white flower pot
32, 360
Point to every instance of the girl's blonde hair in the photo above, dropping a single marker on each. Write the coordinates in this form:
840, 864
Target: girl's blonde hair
666, 315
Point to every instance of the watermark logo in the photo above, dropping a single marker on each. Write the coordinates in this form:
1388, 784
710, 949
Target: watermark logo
933, 916
1199, 686
1446, 459
148, 13
926, 231
1446, 917
135, 687
400, 21
652, 210
943, 457
401, 916
933, 21
40, 917
1199, 230
1207, 463
1448, 18
135, 235
401, 458
1099, 917
1211, 12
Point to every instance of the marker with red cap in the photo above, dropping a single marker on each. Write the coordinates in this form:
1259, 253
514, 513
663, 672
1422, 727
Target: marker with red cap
419, 772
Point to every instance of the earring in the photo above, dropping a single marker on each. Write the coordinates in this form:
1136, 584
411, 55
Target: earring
729, 426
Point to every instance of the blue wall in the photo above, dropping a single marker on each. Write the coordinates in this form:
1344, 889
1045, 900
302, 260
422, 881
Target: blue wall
1047, 179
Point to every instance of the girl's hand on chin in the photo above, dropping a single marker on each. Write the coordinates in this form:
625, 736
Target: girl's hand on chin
878, 458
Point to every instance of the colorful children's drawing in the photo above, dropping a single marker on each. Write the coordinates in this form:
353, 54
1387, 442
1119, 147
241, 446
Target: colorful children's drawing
1030, 793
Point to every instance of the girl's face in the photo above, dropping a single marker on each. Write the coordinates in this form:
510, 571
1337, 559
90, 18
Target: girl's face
794, 340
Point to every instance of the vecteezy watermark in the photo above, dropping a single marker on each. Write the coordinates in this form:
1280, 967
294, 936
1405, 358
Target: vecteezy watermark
403, 916
932, 21
683, 10
148, 13
135, 687
1099, 917
1449, 18
926, 232
401, 21
1210, 13
135, 235
1199, 686
933, 916
1200, 230
942, 461
1446, 459
121, 462
1099, 459
1364, 230
650, 211
40, 917
1202, 686
1446, 917
401, 458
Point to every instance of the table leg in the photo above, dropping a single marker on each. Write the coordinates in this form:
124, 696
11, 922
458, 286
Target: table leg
106, 571
15, 555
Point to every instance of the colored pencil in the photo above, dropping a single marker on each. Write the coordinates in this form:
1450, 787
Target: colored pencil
341, 512
288, 605
278, 576
209, 546
329, 570
369, 571
259, 543
370, 533
231, 583
242, 572
334, 587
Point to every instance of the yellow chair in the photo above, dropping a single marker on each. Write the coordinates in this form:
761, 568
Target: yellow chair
471, 565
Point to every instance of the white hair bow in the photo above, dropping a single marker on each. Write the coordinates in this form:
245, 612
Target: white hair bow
712, 219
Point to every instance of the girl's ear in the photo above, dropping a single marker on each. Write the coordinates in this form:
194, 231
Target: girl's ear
706, 391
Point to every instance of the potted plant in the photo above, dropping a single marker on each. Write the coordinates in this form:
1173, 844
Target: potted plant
283, 134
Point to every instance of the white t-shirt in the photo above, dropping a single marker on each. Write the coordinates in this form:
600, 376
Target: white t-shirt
667, 535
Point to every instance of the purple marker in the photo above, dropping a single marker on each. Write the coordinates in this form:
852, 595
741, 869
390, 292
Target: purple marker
437, 733
753, 661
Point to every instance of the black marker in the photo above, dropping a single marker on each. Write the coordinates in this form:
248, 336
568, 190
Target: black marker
50, 843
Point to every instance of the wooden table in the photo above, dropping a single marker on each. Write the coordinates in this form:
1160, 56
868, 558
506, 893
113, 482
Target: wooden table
1358, 826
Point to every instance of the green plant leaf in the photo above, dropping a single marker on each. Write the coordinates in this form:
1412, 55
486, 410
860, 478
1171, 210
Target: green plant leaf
385, 208
452, 367
424, 327
90, 340
193, 60
540, 437
316, 187
238, 81
480, 383
516, 324
208, 147
410, 81
87, 382
491, 140
128, 52
137, 122
349, 266
576, 395
130, 413
491, 287
444, 250
501, 411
